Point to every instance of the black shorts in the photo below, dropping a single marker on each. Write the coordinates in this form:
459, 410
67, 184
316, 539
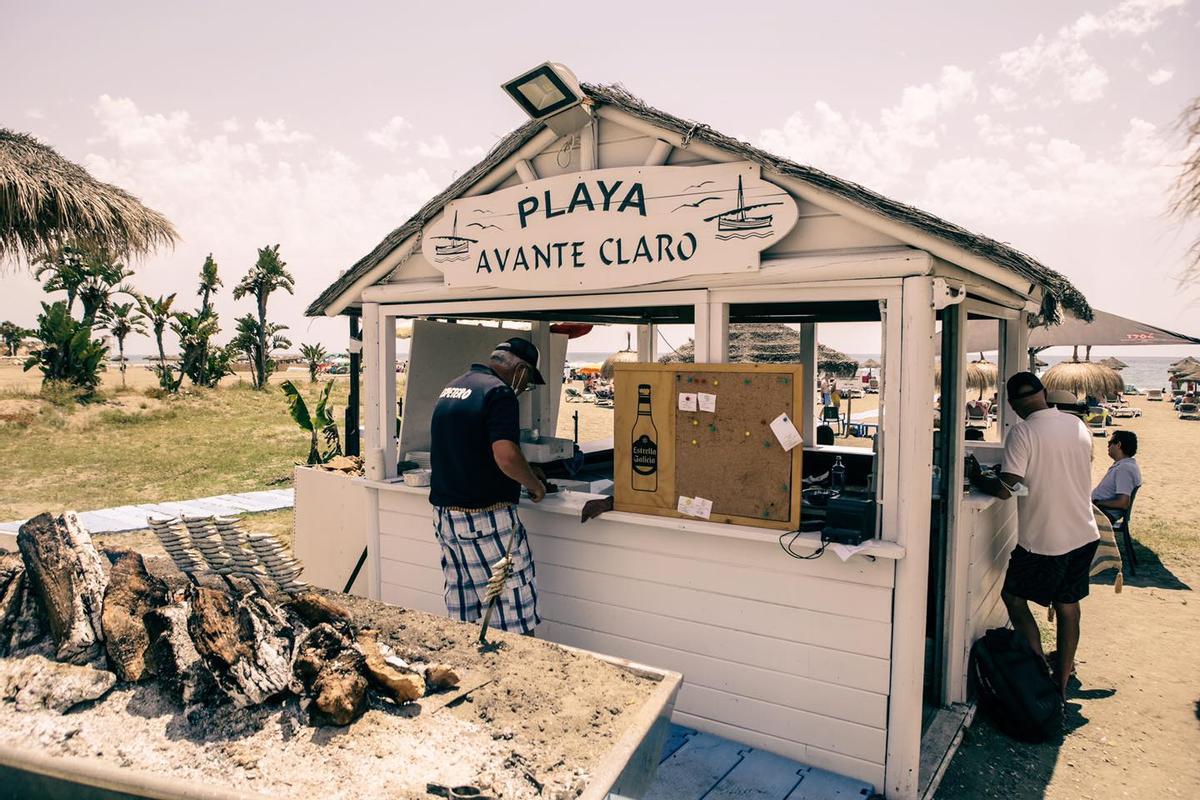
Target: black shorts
1050, 579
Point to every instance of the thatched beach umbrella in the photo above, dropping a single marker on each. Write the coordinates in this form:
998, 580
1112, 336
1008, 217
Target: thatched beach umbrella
769, 343
1188, 376
1113, 363
981, 375
626, 356
870, 365
46, 200
1084, 378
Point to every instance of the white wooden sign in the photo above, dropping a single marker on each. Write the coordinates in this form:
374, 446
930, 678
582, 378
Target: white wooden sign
611, 227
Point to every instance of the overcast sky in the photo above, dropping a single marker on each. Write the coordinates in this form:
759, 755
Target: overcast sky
322, 127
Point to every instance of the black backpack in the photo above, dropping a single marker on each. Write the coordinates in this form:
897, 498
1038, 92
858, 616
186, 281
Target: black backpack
1014, 687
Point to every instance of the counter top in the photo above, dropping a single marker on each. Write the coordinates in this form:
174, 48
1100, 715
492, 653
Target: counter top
570, 504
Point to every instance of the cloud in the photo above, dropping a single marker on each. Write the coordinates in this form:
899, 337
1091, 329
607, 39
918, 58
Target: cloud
1062, 66
389, 137
231, 125
35, 113
437, 147
230, 192
879, 153
1160, 76
276, 132
1053, 180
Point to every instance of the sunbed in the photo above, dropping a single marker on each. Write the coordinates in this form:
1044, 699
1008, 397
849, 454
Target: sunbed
1155, 395
1189, 411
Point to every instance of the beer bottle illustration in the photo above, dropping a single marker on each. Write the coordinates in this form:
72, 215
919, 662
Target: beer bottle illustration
645, 445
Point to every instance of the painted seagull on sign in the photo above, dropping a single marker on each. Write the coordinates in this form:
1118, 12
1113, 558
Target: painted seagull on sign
482, 226
696, 204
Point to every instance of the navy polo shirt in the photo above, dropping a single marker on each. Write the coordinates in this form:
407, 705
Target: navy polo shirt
474, 410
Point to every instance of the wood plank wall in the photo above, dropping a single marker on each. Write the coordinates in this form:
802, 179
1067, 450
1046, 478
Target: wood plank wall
785, 655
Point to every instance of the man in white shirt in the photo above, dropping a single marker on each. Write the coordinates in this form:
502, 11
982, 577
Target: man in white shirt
1050, 453
1114, 493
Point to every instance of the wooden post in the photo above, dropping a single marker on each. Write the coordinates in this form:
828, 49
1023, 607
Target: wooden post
911, 467
1014, 358
718, 333
372, 435
953, 427
701, 331
387, 398
646, 344
808, 357
353, 446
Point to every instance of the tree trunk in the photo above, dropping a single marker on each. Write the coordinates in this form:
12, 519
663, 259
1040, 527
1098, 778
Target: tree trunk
131, 594
121, 351
262, 340
162, 355
23, 627
245, 642
67, 574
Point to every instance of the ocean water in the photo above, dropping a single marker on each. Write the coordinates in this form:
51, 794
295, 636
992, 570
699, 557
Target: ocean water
1144, 372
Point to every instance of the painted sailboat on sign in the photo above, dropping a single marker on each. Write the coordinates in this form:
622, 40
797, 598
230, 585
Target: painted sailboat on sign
737, 224
457, 248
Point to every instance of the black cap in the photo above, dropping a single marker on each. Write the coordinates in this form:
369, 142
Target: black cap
524, 350
1023, 384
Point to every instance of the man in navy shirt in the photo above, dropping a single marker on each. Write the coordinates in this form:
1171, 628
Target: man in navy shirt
478, 472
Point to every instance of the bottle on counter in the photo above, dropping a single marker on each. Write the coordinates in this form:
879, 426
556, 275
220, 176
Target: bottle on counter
837, 475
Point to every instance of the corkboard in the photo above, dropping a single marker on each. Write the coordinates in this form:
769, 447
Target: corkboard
729, 456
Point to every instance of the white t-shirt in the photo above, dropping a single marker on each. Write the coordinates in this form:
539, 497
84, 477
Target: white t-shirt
1052, 451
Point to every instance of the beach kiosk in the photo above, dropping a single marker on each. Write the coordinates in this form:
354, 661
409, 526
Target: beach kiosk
852, 662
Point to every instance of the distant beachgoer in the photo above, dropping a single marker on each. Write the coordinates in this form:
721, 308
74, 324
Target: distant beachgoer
825, 390
1051, 454
1114, 493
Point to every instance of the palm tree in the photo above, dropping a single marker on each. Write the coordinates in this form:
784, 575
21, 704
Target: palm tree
314, 354
46, 200
12, 335
267, 275
249, 338
62, 269
124, 319
194, 332
208, 284
102, 284
1186, 202
158, 314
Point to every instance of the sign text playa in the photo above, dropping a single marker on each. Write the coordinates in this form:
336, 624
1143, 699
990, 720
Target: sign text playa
611, 227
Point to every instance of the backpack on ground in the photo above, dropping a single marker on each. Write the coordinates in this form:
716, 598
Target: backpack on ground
1014, 687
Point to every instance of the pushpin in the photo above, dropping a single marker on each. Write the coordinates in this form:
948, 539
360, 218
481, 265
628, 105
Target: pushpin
712, 427
716, 382
695, 422
747, 433
694, 441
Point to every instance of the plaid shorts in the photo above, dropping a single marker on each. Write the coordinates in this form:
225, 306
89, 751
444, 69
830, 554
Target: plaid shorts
472, 541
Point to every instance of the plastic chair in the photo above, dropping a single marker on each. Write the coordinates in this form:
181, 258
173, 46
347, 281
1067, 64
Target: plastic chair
1120, 522
830, 414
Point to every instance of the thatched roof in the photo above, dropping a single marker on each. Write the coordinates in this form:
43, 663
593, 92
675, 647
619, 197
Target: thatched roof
45, 199
1114, 363
981, 375
1059, 292
768, 343
1084, 378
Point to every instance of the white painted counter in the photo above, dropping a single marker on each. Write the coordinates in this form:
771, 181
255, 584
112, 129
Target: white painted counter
791, 656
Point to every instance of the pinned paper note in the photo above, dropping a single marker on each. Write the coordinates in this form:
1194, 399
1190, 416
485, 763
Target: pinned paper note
785, 431
707, 402
687, 401
694, 507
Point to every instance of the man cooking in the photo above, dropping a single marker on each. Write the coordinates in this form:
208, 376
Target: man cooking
478, 472
1050, 453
